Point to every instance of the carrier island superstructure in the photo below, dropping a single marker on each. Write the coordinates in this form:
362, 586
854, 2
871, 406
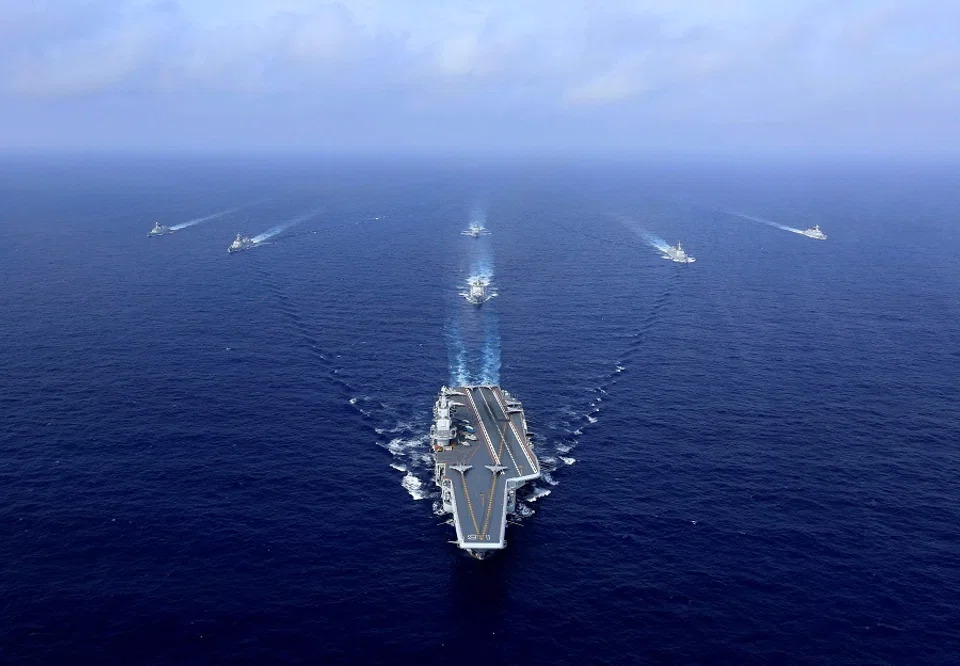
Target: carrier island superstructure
483, 455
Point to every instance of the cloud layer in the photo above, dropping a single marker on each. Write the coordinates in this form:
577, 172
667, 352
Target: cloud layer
405, 73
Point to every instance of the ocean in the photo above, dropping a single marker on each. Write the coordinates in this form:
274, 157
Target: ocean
211, 458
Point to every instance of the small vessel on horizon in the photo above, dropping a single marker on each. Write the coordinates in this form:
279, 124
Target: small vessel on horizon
160, 230
814, 233
241, 242
678, 254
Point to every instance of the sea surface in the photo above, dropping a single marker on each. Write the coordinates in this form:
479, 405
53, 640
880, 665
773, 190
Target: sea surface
213, 458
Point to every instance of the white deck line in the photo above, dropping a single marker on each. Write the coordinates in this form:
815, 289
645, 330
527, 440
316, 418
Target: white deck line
486, 435
505, 444
520, 439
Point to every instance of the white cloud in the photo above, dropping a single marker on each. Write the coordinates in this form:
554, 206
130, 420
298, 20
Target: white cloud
613, 86
638, 61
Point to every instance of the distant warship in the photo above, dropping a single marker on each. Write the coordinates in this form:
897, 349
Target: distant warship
241, 243
478, 291
475, 231
160, 230
814, 233
677, 254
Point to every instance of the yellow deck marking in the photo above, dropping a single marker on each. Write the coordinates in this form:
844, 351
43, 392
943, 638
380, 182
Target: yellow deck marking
483, 428
493, 485
486, 521
528, 454
466, 493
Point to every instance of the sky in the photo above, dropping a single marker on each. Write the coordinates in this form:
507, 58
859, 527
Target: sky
528, 75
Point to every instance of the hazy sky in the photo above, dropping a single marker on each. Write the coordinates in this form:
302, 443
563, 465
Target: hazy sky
497, 74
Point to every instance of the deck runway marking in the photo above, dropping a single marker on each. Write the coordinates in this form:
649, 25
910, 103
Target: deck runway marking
466, 493
486, 522
526, 452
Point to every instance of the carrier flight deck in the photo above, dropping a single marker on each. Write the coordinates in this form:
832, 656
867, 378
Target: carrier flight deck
483, 454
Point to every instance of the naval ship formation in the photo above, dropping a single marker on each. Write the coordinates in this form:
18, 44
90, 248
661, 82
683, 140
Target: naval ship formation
482, 455
482, 451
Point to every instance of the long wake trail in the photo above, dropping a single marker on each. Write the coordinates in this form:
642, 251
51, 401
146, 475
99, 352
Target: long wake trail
457, 353
280, 228
474, 357
490, 368
769, 223
648, 237
206, 218
563, 435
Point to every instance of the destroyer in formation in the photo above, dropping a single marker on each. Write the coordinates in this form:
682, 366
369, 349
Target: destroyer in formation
814, 233
478, 291
241, 242
677, 254
160, 230
475, 231
482, 456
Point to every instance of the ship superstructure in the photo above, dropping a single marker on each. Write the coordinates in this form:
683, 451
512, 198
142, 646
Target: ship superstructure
160, 230
677, 254
483, 455
479, 291
241, 242
814, 233
475, 230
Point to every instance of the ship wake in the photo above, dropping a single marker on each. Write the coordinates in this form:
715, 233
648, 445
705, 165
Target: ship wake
490, 368
198, 220
562, 433
648, 237
406, 438
473, 333
412, 457
280, 228
769, 223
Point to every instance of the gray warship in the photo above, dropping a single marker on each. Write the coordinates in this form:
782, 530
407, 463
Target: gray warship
482, 456
479, 290
476, 230
677, 254
241, 243
814, 233
160, 230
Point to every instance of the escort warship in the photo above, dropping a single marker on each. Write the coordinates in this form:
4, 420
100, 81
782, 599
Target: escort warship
814, 233
677, 254
478, 291
241, 243
475, 231
160, 230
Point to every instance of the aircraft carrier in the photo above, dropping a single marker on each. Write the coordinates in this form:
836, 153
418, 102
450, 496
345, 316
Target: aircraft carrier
483, 455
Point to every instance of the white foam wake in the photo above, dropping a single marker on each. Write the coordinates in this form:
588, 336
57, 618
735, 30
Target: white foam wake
536, 493
198, 220
770, 223
491, 351
457, 352
651, 239
414, 486
280, 228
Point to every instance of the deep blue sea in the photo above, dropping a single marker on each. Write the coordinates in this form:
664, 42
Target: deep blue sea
209, 458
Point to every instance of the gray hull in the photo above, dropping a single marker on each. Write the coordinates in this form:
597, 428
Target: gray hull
479, 478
